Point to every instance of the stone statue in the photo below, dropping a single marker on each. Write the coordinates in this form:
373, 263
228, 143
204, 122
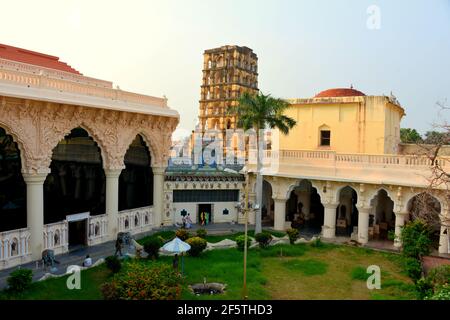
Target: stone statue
48, 259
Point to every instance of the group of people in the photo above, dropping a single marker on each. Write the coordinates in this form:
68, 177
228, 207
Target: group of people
187, 222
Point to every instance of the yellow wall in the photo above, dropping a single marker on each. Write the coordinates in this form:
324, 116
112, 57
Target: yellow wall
368, 124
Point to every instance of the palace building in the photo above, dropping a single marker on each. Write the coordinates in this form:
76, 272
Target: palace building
342, 171
80, 161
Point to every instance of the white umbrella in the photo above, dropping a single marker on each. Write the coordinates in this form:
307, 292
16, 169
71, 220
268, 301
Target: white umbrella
177, 246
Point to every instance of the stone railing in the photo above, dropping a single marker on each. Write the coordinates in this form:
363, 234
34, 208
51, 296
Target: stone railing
14, 247
98, 229
56, 237
136, 220
409, 169
74, 84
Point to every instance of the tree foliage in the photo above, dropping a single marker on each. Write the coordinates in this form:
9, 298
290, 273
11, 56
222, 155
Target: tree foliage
408, 135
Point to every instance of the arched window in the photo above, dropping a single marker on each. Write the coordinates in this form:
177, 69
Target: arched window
324, 136
136, 220
97, 229
127, 224
146, 219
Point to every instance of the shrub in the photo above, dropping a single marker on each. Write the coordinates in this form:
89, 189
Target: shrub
197, 246
416, 239
439, 276
293, 234
441, 293
240, 241
141, 281
201, 233
413, 268
182, 234
359, 273
152, 246
424, 288
264, 239
113, 263
391, 235
317, 243
19, 280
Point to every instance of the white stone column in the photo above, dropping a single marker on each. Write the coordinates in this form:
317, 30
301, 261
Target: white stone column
112, 201
279, 214
443, 240
329, 223
399, 223
363, 225
35, 212
158, 196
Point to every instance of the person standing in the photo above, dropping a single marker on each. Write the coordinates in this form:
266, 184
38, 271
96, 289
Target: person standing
118, 247
175, 262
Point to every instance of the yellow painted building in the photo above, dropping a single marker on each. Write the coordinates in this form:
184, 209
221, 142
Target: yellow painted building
344, 120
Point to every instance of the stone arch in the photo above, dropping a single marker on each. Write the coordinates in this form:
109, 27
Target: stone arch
76, 182
21, 145
12, 185
421, 198
372, 194
340, 188
136, 179
304, 205
91, 132
347, 213
382, 216
314, 184
151, 146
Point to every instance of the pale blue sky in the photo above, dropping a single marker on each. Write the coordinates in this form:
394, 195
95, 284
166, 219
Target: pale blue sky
156, 47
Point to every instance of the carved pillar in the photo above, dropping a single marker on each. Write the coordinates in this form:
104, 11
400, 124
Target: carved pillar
444, 236
363, 224
329, 225
35, 212
399, 222
112, 201
279, 214
158, 194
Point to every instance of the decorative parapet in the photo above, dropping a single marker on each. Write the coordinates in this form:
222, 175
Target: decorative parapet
56, 236
136, 220
42, 78
14, 247
405, 170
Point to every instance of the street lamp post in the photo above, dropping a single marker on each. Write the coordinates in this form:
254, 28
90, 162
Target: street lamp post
246, 209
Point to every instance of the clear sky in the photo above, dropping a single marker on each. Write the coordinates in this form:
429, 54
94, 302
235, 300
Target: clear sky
156, 47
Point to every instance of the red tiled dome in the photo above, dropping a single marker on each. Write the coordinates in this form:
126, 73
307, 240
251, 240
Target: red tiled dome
34, 58
339, 92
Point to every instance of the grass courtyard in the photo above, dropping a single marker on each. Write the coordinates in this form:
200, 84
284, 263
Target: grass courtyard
279, 272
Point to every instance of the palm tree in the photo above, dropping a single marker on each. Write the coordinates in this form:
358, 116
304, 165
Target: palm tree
259, 112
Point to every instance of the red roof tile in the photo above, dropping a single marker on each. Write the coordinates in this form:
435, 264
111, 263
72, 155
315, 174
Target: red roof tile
34, 58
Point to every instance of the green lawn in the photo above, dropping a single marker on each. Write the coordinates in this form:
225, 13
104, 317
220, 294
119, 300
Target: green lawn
279, 272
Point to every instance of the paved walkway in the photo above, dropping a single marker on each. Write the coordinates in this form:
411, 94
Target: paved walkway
76, 257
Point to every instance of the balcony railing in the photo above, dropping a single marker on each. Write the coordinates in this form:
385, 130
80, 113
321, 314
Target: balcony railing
71, 83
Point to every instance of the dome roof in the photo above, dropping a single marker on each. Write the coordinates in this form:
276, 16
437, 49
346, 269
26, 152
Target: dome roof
339, 92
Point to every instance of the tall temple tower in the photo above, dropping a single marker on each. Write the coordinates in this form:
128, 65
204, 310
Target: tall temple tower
228, 72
